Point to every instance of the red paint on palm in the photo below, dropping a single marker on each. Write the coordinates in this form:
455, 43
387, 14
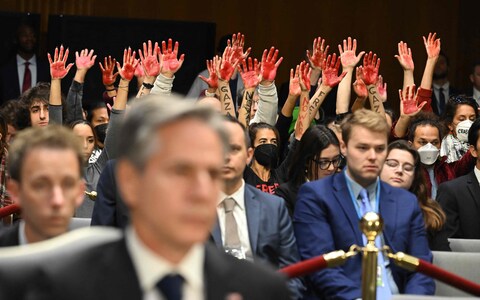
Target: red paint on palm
85, 60
330, 75
304, 73
270, 64
129, 64
404, 56
382, 89
319, 53
294, 85
409, 103
348, 57
149, 58
370, 68
108, 78
168, 57
250, 73
212, 80
58, 70
432, 45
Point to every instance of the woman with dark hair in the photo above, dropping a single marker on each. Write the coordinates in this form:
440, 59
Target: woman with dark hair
460, 112
316, 156
402, 169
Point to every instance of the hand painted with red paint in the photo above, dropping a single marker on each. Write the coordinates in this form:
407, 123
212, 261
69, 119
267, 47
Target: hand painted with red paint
129, 65
168, 58
226, 65
149, 59
85, 60
57, 65
404, 57
432, 45
294, 86
139, 71
359, 86
250, 73
238, 41
108, 77
381, 89
347, 54
409, 104
330, 68
319, 53
269, 66
212, 80
370, 68
304, 72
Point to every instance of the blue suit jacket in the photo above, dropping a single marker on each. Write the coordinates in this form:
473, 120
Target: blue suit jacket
325, 219
271, 232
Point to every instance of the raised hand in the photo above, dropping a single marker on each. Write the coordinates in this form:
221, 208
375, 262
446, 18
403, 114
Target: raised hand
319, 53
330, 68
238, 41
381, 88
139, 71
129, 65
170, 64
250, 73
347, 54
57, 65
432, 45
108, 77
269, 66
149, 59
226, 65
359, 86
294, 85
370, 68
409, 103
404, 56
85, 60
304, 72
212, 80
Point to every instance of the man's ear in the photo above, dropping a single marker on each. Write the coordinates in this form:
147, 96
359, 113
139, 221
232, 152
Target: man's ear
471, 78
343, 148
249, 155
128, 181
13, 188
473, 151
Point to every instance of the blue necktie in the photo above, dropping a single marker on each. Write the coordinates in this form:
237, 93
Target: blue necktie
171, 287
383, 292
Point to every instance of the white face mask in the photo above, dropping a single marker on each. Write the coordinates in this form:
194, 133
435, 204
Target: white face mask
428, 154
462, 130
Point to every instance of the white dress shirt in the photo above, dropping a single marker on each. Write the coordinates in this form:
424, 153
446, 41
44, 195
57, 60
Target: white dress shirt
21, 70
240, 215
151, 268
476, 95
476, 171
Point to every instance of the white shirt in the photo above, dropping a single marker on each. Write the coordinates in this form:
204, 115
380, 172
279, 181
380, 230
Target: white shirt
21, 70
151, 268
446, 89
476, 95
476, 171
240, 215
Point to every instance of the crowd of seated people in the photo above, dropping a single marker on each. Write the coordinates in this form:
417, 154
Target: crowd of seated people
275, 177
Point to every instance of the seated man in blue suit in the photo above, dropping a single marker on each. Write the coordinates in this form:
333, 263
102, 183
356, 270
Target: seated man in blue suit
262, 231
327, 215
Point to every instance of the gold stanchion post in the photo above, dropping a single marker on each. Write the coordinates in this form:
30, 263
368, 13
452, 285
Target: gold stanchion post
371, 225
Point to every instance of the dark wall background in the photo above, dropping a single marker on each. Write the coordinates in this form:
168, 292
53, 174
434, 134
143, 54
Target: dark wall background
378, 25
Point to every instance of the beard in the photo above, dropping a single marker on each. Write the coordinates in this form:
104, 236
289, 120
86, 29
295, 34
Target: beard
442, 75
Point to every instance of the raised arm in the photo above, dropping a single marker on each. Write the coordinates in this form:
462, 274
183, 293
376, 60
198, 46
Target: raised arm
170, 63
316, 58
369, 73
294, 92
303, 120
212, 80
150, 67
432, 46
108, 76
58, 70
225, 67
405, 59
267, 91
349, 60
360, 90
126, 74
409, 107
251, 78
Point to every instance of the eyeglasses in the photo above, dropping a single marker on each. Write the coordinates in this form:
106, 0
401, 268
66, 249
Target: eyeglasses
394, 164
324, 164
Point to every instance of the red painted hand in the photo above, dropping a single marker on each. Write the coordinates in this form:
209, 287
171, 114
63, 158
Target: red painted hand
405, 57
212, 80
432, 45
381, 89
149, 59
330, 68
108, 77
319, 53
129, 65
269, 66
238, 41
85, 60
139, 71
347, 54
224, 66
304, 73
294, 86
57, 65
359, 86
370, 68
168, 58
250, 74
408, 104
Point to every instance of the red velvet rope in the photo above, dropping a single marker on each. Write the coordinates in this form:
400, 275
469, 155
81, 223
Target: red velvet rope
448, 278
305, 267
8, 210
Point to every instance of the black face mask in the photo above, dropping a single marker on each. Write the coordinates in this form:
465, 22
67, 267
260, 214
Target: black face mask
266, 155
101, 132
